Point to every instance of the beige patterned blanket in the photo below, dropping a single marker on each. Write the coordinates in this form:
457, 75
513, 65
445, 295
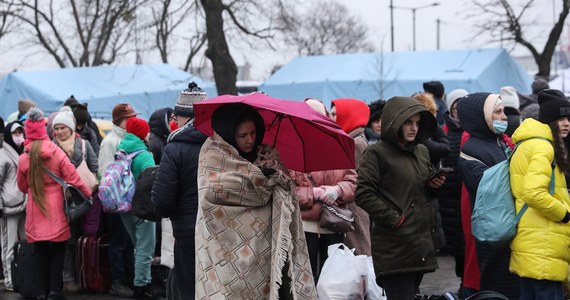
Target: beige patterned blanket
248, 227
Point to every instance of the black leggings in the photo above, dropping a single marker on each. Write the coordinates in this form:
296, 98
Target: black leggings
401, 286
52, 253
318, 249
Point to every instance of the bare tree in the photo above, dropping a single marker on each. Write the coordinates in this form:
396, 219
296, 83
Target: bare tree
7, 20
81, 32
167, 18
504, 21
245, 17
326, 27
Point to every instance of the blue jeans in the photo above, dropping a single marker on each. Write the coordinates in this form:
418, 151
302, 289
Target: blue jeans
532, 289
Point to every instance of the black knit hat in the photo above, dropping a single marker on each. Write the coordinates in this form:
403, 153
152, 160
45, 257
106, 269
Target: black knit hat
553, 105
435, 88
185, 105
538, 85
375, 110
81, 114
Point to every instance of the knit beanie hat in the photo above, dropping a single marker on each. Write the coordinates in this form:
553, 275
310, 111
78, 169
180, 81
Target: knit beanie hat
454, 96
71, 101
81, 114
138, 127
510, 97
538, 85
185, 105
122, 111
435, 88
553, 105
35, 126
317, 105
64, 117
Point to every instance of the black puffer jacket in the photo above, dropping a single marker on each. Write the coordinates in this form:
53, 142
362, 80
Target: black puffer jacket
487, 147
450, 194
159, 131
175, 190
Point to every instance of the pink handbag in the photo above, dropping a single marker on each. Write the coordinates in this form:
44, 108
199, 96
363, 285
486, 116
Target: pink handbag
86, 175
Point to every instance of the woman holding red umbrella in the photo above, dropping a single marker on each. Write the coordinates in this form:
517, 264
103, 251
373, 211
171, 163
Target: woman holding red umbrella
249, 237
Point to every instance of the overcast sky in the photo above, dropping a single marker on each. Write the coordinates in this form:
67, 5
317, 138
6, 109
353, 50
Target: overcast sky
455, 32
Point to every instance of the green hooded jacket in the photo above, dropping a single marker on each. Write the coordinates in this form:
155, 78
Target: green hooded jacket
391, 189
143, 160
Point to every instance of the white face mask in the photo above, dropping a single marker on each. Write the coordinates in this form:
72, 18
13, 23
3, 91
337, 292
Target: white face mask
18, 139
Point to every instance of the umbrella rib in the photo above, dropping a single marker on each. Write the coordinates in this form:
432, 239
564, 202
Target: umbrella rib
300, 137
280, 118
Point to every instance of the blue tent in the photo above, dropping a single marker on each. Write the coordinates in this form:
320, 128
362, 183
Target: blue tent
370, 76
145, 87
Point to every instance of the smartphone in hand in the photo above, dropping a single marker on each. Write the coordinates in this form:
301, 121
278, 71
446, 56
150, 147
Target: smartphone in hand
440, 172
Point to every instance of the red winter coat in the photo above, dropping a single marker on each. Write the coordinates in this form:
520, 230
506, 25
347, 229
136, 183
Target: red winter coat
53, 227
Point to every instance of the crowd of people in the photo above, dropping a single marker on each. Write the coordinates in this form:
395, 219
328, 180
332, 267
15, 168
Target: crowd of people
238, 224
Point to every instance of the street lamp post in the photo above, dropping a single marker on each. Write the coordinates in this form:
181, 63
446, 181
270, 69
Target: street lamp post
413, 10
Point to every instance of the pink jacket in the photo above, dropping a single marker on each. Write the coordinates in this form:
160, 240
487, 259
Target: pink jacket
345, 179
53, 227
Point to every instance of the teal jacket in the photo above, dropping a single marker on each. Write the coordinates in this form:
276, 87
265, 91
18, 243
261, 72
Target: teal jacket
132, 143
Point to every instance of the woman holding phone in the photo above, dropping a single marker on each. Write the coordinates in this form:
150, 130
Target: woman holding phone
391, 189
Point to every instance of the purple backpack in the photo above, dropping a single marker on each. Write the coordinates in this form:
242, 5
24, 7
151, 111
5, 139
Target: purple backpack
117, 186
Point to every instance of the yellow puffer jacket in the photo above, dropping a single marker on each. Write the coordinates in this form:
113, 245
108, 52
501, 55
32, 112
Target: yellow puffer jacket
541, 248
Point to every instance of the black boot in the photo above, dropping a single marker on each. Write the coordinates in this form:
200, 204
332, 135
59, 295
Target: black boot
144, 293
55, 296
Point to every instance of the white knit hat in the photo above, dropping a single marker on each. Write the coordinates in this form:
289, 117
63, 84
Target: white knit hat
510, 97
454, 96
317, 105
65, 117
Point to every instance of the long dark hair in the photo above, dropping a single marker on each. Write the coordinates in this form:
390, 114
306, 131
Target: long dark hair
560, 149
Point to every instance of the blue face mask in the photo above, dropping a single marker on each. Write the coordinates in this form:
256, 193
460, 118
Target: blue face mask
500, 126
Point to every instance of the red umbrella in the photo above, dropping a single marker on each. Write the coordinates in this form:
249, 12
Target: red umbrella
307, 141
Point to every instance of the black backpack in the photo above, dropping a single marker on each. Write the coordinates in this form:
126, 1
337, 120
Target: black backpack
143, 207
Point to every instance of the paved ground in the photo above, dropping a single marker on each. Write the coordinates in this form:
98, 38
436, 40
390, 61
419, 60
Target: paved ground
442, 280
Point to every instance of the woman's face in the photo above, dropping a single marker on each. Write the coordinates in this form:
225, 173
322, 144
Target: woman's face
62, 132
563, 126
410, 128
453, 111
245, 136
18, 132
376, 125
499, 113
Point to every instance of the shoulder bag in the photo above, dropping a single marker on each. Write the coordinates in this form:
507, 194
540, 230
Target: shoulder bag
86, 175
76, 205
336, 218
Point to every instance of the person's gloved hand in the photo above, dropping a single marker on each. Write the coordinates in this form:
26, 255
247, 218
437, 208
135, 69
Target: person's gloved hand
331, 194
318, 193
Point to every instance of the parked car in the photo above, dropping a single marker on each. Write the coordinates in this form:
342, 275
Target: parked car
105, 126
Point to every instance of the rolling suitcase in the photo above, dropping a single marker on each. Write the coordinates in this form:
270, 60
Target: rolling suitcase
93, 269
28, 268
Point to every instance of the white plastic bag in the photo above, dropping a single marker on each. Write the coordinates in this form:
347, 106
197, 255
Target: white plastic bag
374, 292
344, 275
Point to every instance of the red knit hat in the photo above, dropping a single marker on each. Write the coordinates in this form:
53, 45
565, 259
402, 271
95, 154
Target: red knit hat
138, 127
35, 126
